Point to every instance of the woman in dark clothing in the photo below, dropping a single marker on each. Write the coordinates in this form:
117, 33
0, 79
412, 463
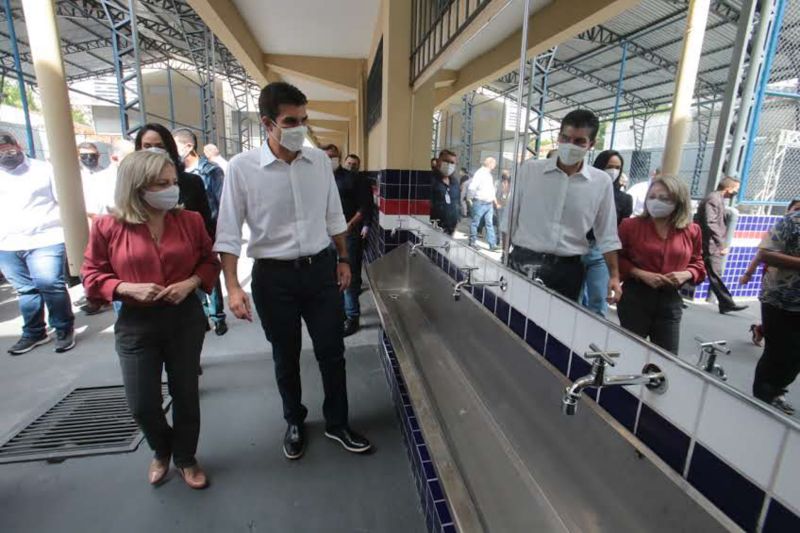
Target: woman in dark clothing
193, 191
595, 286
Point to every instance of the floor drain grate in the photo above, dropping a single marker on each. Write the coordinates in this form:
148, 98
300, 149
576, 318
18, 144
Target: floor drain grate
88, 421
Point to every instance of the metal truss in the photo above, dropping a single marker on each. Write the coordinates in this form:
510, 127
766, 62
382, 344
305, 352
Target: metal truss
721, 8
537, 98
466, 128
705, 116
639, 124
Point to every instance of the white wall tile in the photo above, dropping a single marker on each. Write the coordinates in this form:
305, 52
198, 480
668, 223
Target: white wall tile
539, 306
633, 356
589, 329
740, 433
457, 254
561, 321
787, 485
681, 403
518, 291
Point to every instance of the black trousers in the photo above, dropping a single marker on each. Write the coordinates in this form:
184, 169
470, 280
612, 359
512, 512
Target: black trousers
147, 340
561, 274
780, 362
653, 314
283, 293
714, 273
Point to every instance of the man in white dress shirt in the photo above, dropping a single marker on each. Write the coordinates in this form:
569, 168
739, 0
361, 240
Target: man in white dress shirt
483, 193
558, 201
287, 194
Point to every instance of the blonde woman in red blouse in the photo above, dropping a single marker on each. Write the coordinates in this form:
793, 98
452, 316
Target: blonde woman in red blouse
661, 251
152, 255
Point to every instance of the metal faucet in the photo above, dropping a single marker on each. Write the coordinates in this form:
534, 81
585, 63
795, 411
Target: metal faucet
468, 283
709, 350
651, 377
421, 245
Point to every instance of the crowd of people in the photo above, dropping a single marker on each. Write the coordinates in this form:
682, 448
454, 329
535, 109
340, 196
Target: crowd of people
165, 221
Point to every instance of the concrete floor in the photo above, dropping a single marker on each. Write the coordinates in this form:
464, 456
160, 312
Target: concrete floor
254, 489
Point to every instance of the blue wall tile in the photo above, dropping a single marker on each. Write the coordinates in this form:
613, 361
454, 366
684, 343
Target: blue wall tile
535, 337
737, 497
489, 300
780, 519
517, 323
669, 442
621, 404
502, 310
557, 354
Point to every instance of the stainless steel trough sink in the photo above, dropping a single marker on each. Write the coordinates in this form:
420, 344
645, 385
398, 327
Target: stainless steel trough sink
490, 410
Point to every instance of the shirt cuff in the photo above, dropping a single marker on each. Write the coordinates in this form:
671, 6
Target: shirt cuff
610, 245
227, 248
107, 289
336, 228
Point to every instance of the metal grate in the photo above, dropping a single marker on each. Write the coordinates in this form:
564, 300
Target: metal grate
88, 421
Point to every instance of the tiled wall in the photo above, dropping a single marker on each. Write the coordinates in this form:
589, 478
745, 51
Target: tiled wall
749, 231
405, 192
740, 454
433, 499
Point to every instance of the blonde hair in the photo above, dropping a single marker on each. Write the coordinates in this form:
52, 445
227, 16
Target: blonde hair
682, 216
137, 171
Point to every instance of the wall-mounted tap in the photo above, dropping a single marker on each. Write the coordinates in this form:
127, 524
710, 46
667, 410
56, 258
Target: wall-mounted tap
468, 283
399, 227
435, 225
421, 245
651, 377
709, 350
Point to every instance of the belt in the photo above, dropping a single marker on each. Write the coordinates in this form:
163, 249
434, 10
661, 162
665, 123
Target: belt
300, 262
547, 259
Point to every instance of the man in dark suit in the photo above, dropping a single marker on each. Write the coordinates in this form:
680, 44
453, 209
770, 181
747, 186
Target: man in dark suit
711, 217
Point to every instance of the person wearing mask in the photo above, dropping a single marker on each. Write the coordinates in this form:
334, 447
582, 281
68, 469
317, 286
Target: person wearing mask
156, 137
780, 313
32, 251
287, 194
445, 192
503, 199
212, 177
356, 197
638, 192
352, 163
483, 194
212, 153
558, 201
661, 251
711, 217
595, 286
332, 151
153, 256
89, 158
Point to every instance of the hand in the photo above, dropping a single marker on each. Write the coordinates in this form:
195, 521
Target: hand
724, 251
364, 232
614, 290
678, 278
745, 279
343, 276
239, 304
177, 292
652, 279
140, 292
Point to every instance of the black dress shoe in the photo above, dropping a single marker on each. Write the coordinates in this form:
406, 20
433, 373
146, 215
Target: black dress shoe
221, 328
349, 439
351, 325
733, 309
294, 442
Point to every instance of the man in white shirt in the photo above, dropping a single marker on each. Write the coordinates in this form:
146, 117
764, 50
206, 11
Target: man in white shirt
287, 194
557, 202
638, 192
212, 153
32, 248
483, 193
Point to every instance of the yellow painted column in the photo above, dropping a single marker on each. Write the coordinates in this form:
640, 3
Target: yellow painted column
40, 22
680, 119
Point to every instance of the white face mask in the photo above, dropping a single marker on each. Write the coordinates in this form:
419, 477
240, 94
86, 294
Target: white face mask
163, 200
447, 169
292, 138
658, 208
571, 154
334, 163
613, 172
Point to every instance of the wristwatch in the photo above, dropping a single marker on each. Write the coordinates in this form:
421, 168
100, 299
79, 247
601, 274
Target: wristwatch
345, 260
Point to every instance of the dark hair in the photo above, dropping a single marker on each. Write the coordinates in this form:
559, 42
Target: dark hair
794, 202
277, 94
602, 160
327, 147
186, 135
353, 156
727, 183
88, 146
582, 118
166, 139
6, 137
446, 152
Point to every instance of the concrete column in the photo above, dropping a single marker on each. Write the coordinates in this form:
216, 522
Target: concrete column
40, 21
680, 119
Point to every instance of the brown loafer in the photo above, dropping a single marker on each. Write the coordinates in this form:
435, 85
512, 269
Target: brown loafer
194, 476
157, 471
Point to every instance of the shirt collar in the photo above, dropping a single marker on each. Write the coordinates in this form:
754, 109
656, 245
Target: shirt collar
552, 166
267, 157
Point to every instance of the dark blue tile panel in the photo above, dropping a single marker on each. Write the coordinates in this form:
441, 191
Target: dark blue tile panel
489, 300
517, 323
621, 404
502, 310
780, 519
669, 442
579, 368
535, 337
736, 496
557, 354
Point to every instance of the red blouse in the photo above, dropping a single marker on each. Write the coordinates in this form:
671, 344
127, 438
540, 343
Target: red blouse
643, 248
120, 252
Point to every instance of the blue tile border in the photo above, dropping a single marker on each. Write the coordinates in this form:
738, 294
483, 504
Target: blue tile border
661, 436
780, 519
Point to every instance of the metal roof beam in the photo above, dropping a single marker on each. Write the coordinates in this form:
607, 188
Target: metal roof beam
721, 8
